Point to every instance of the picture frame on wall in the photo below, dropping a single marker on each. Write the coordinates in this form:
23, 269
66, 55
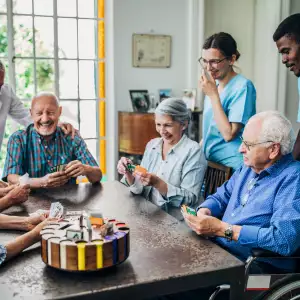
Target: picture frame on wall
151, 51
164, 94
189, 98
140, 100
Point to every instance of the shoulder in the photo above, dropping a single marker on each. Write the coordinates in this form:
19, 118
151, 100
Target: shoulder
153, 143
18, 136
242, 82
78, 140
292, 171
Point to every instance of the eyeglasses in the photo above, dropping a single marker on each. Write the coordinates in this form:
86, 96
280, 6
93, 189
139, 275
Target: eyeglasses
213, 62
251, 184
249, 145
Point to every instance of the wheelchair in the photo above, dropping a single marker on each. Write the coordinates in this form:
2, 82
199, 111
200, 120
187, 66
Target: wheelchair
271, 286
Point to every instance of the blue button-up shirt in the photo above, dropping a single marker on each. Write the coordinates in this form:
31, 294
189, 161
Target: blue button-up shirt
271, 217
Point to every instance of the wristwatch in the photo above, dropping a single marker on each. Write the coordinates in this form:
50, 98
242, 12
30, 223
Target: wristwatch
228, 233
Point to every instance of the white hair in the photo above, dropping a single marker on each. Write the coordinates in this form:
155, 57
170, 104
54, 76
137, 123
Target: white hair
174, 107
46, 94
278, 129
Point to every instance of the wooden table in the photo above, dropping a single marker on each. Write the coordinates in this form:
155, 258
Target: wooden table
166, 257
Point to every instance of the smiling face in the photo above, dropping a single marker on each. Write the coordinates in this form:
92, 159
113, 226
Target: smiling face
216, 63
45, 113
171, 131
290, 51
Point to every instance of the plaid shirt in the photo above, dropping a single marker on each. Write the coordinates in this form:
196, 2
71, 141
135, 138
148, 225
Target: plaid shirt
27, 151
2, 254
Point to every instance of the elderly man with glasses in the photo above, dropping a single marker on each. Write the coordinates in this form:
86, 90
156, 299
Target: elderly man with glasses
259, 206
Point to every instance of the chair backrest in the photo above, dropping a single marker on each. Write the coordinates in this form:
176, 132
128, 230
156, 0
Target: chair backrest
215, 176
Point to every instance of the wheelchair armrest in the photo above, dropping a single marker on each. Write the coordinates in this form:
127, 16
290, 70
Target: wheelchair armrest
258, 252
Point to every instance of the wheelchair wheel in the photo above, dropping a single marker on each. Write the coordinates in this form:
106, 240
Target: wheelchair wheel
290, 291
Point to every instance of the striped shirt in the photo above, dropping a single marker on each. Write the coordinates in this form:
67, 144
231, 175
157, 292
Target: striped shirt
28, 152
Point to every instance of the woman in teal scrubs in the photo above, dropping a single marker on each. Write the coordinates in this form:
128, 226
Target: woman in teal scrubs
229, 102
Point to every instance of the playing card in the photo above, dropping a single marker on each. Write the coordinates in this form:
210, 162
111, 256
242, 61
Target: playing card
24, 179
56, 210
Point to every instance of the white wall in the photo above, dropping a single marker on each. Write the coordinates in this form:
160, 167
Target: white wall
168, 17
237, 18
292, 97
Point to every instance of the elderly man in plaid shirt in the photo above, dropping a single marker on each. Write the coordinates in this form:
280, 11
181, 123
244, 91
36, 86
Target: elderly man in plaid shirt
43, 146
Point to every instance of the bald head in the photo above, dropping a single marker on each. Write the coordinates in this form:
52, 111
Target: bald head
45, 112
45, 97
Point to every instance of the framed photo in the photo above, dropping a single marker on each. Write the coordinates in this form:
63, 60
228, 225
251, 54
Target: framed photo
189, 97
151, 51
164, 93
140, 100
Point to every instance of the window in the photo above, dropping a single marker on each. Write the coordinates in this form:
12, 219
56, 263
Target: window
52, 45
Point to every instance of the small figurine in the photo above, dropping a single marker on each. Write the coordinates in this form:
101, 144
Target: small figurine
106, 229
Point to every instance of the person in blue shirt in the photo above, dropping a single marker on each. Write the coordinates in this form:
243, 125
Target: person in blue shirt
229, 103
259, 206
287, 38
175, 164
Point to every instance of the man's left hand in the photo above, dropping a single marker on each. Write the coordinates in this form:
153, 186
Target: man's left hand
75, 168
68, 129
203, 224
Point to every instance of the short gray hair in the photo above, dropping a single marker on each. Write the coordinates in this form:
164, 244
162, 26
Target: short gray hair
277, 128
174, 107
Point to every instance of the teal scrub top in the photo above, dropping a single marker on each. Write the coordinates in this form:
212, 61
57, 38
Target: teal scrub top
238, 100
298, 117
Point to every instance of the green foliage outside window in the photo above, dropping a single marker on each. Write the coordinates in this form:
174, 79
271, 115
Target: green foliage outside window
25, 74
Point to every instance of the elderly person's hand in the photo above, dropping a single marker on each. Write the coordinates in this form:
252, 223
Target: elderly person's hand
68, 129
75, 168
121, 166
148, 179
208, 84
19, 194
203, 224
3, 184
54, 179
5, 190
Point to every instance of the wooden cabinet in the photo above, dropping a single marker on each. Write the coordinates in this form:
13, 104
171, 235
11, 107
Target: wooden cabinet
135, 131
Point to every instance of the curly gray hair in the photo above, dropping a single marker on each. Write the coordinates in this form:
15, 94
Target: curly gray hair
277, 128
174, 107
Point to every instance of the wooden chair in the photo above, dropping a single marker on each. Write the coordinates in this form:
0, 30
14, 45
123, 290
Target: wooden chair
216, 174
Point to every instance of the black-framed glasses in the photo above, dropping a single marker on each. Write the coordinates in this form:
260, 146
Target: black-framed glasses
249, 145
212, 62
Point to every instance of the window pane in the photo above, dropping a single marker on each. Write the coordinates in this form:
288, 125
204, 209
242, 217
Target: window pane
67, 38
70, 112
44, 38
92, 146
3, 36
86, 8
43, 7
88, 118
22, 6
23, 38
86, 34
2, 5
24, 78
68, 80
45, 75
86, 80
66, 8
